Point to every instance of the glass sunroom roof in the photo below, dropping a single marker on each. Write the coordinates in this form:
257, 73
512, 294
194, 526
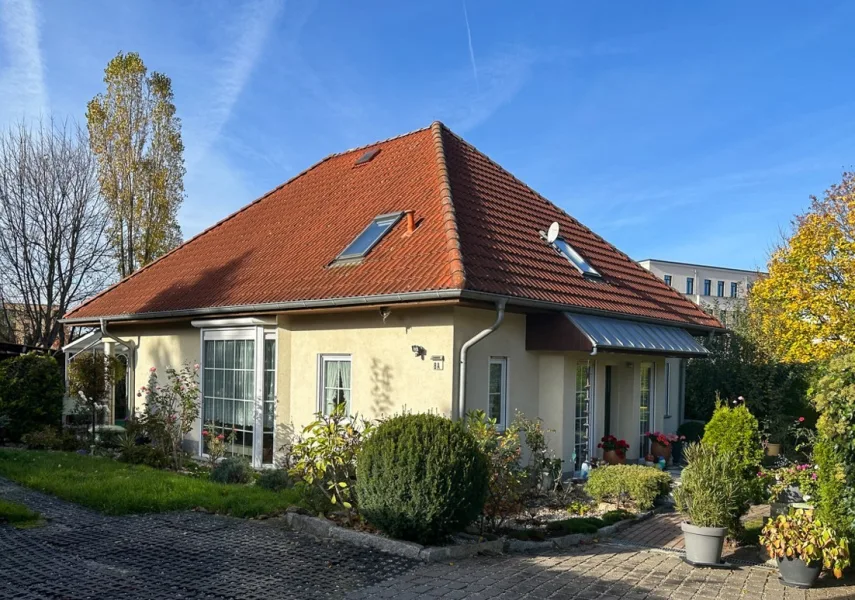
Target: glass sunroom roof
369, 237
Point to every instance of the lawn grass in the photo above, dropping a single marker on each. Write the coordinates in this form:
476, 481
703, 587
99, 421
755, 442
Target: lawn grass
19, 515
116, 488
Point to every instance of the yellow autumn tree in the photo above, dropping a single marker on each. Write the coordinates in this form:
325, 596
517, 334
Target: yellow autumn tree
803, 311
136, 136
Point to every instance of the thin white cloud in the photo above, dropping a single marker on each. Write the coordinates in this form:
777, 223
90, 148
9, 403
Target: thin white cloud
22, 80
252, 28
471, 49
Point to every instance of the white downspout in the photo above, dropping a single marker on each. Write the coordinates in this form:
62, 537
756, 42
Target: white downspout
461, 393
132, 358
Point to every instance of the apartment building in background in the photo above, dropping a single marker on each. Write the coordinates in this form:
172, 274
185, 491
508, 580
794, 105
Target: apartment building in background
719, 289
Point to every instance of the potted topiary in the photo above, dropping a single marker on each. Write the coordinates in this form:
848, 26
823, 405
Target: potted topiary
803, 546
712, 494
614, 450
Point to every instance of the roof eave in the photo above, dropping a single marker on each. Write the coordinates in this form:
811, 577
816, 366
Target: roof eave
380, 300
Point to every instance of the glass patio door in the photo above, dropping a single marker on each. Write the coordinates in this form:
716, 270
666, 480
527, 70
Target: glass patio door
645, 405
582, 419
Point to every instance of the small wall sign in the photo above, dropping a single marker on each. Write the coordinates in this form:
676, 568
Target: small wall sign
438, 362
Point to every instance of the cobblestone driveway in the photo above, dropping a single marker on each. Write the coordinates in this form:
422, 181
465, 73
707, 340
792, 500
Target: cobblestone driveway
603, 572
83, 555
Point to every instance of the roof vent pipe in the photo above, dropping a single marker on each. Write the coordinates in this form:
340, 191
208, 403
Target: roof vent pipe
411, 221
461, 393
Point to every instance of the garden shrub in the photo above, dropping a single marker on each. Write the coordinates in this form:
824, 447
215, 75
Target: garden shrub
274, 480
171, 410
834, 398
324, 456
143, 454
575, 525
713, 491
49, 438
693, 431
618, 484
615, 516
31, 390
232, 470
735, 431
502, 449
421, 478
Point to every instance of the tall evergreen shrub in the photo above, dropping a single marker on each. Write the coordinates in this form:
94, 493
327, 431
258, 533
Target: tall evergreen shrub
735, 431
31, 389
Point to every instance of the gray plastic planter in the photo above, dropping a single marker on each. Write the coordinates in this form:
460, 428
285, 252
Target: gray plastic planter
703, 544
796, 572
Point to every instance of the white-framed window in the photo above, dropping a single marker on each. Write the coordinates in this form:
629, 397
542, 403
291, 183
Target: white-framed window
645, 405
667, 389
497, 391
239, 391
334, 382
581, 429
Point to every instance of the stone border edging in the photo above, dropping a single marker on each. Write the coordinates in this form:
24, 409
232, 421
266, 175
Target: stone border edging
576, 539
324, 528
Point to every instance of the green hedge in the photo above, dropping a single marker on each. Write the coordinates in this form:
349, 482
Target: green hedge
421, 478
619, 484
31, 390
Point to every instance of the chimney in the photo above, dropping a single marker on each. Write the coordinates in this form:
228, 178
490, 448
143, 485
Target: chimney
411, 221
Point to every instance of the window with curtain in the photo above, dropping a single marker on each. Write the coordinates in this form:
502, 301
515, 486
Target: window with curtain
335, 382
645, 404
228, 406
498, 390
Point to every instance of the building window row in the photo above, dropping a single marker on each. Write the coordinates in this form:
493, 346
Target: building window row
720, 286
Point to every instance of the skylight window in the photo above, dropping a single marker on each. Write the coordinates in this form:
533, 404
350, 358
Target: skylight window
574, 257
369, 237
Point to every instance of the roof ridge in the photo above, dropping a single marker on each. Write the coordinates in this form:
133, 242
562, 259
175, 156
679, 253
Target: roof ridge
572, 218
449, 218
389, 139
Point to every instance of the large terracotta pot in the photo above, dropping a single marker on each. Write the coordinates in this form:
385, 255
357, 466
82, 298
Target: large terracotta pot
659, 450
613, 458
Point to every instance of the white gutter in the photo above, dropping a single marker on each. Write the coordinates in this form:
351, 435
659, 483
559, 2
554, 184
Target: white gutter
461, 393
132, 356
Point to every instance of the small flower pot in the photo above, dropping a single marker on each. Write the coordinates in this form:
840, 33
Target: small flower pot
798, 573
704, 545
773, 449
660, 450
613, 458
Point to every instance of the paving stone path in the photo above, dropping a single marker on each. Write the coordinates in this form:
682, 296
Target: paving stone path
83, 555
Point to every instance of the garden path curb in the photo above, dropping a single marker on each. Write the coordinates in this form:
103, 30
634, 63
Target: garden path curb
324, 528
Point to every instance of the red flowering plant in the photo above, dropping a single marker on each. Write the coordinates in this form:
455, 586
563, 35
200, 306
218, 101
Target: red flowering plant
804, 438
665, 439
215, 443
610, 442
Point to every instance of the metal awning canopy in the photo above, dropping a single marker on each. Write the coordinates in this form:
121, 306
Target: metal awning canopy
619, 335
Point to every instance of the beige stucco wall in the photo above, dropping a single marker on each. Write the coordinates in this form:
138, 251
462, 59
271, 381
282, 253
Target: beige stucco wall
160, 347
508, 341
387, 377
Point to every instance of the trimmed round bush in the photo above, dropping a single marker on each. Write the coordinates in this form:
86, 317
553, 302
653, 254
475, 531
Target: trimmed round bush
421, 478
274, 480
232, 470
618, 484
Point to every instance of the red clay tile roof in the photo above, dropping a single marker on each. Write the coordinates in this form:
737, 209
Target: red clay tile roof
477, 231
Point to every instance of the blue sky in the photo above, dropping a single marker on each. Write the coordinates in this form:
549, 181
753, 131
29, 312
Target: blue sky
675, 130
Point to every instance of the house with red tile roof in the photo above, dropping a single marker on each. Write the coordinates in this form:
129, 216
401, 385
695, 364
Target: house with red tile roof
411, 274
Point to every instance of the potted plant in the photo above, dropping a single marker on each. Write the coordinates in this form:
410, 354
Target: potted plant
614, 450
803, 546
773, 435
712, 495
660, 444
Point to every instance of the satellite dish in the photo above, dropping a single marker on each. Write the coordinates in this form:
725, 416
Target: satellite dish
552, 233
